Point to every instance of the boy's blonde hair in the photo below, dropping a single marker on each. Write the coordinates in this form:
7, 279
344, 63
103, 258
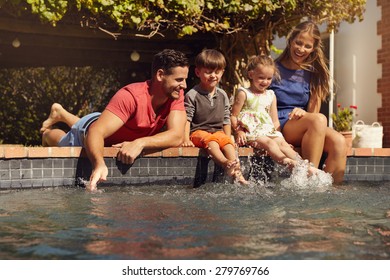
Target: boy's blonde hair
210, 58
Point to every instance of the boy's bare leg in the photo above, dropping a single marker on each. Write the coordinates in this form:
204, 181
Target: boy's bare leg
58, 114
218, 157
235, 169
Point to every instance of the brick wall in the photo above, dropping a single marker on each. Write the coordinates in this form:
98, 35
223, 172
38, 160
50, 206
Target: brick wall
384, 59
37, 167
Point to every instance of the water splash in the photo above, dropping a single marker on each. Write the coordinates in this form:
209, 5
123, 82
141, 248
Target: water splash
300, 178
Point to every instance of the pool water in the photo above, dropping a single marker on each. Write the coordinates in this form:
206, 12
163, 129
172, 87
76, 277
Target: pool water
215, 221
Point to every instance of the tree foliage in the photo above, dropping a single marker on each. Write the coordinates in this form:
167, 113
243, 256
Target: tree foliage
190, 16
242, 27
28, 93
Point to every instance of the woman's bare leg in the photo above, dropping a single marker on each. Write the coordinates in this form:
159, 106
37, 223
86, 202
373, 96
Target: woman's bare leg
308, 133
336, 148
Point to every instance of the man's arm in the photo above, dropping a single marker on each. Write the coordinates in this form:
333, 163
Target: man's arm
187, 142
103, 127
172, 137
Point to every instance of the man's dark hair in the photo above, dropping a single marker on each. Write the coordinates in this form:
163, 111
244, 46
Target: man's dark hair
168, 59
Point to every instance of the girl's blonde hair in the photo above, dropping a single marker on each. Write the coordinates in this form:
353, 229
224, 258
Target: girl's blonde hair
316, 63
263, 60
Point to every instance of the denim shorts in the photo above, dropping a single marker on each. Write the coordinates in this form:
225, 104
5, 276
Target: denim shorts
75, 137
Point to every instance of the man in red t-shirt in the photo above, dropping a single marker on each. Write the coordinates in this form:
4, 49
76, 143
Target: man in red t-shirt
133, 119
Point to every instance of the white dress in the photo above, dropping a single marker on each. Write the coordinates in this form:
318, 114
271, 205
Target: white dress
254, 116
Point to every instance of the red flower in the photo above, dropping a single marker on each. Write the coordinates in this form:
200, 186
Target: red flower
353, 107
338, 105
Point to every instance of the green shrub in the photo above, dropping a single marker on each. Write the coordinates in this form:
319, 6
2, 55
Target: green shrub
26, 95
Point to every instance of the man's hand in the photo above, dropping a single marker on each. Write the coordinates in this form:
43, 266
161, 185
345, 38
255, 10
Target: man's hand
129, 151
98, 174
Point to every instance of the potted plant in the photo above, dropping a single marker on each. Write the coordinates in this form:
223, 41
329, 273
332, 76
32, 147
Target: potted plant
343, 120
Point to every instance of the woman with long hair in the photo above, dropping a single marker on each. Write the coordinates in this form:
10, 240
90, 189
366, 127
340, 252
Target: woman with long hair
304, 84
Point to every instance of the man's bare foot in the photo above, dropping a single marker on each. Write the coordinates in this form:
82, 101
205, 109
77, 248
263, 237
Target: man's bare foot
54, 117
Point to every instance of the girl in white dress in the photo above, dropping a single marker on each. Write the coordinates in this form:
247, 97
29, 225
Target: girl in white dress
254, 114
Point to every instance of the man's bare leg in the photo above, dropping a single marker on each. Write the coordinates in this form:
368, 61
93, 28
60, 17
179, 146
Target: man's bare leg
51, 137
58, 114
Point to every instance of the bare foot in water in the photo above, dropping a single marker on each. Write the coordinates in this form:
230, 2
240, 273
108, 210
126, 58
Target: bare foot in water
233, 170
230, 167
54, 117
238, 177
312, 170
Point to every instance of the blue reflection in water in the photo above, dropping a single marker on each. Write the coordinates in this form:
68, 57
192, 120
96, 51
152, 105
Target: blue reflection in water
220, 221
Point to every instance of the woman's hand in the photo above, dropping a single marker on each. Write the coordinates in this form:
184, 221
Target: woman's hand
296, 114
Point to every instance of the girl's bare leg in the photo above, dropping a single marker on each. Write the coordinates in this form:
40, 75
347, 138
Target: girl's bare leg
286, 148
272, 148
280, 151
58, 114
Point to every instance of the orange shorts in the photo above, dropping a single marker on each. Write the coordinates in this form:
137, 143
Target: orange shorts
201, 138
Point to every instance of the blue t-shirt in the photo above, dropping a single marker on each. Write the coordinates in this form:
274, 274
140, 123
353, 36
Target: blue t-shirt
293, 90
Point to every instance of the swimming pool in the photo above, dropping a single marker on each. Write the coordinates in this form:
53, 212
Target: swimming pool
215, 221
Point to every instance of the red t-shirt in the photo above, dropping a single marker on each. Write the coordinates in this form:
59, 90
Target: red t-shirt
133, 106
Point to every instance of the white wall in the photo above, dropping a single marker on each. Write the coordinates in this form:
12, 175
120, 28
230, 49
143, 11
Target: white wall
356, 44
356, 67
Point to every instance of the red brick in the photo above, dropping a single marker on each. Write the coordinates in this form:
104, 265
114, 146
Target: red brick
38, 152
172, 152
190, 152
350, 151
363, 152
110, 152
382, 152
76, 151
152, 153
15, 152
244, 152
60, 152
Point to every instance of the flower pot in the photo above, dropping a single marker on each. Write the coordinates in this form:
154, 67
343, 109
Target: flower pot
348, 138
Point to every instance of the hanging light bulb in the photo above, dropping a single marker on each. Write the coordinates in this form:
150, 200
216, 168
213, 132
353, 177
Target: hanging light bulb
134, 56
16, 43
